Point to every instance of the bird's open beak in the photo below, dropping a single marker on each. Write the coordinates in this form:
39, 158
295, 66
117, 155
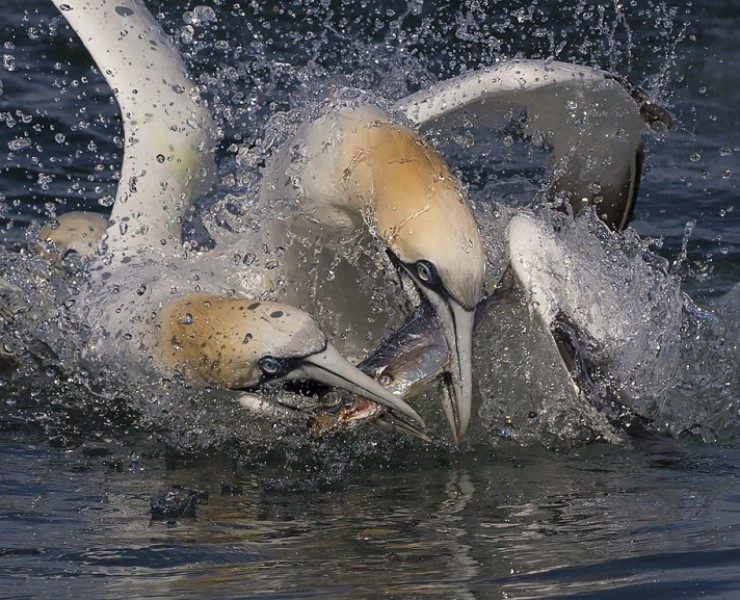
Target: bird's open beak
457, 325
333, 369
394, 423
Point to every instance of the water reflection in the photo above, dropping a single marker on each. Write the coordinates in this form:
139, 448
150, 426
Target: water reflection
526, 522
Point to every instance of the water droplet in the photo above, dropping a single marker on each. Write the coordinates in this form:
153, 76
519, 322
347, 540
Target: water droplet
186, 34
200, 15
19, 143
187, 319
695, 157
9, 62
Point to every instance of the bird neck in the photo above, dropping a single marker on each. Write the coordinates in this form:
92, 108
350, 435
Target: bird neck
168, 131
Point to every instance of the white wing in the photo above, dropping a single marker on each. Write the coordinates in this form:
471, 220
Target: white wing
168, 148
570, 302
555, 282
591, 122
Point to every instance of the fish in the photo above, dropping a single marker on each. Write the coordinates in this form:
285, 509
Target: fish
406, 362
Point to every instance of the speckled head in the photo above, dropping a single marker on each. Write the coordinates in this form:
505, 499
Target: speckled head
222, 340
238, 343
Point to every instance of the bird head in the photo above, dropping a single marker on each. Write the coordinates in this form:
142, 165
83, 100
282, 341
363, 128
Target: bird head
243, 344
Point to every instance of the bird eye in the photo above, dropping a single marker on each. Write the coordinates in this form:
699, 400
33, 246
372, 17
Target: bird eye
270, 366
426, 272
70, 253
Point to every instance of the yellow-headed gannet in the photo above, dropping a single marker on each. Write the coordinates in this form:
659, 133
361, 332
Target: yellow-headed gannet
354, 166
77, 232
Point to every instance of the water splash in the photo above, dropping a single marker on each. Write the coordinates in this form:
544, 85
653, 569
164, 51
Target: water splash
265, 71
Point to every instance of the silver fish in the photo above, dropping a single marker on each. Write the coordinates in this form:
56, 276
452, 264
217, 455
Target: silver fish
406, 363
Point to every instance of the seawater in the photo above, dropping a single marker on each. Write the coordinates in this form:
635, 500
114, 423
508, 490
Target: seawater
502, 516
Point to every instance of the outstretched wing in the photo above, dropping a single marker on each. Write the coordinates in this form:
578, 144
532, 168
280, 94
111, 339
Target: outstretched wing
168, 148
591, 121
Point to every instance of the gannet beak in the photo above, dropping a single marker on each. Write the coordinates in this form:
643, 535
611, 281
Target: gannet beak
396, 424
457, 325
331, 368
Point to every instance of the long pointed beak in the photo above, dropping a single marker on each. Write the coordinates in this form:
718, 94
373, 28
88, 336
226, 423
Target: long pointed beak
332, 368
396, 424
457, 325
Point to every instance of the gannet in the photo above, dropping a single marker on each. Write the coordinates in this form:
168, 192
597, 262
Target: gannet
574, 305
355, 169
76, 232
357, 165
145, 305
